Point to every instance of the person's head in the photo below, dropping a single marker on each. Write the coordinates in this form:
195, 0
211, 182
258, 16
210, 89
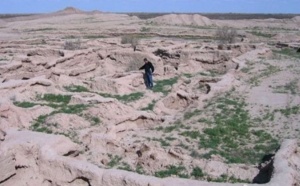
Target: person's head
145, 60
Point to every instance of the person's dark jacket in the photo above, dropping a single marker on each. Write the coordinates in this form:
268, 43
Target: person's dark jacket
149, 68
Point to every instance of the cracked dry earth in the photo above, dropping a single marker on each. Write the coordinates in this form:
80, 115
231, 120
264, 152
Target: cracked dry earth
75, 111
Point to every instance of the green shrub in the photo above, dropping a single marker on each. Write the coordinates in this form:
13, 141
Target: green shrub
172, 170
24, 104
226, 34
130, 39
72, 45
197, 172
65, 99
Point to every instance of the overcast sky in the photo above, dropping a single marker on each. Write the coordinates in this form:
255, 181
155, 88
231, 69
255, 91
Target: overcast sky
204, 6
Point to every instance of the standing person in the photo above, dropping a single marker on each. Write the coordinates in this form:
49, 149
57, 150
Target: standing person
149, 69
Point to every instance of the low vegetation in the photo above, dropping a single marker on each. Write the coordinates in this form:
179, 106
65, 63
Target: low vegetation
60, 104
262, 34
72, 44
288, 52
126, 97
76, 88
266, 72
165, 85
123, 98
230, 131
150, 106
179, 171
130, 39
289, 88
226, 34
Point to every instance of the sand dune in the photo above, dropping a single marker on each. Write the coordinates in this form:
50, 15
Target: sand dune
184, 19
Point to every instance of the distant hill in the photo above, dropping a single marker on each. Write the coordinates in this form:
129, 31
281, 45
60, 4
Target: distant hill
219, 16
69, 10
183, 19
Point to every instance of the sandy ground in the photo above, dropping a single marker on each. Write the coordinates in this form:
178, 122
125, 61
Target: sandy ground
218, 108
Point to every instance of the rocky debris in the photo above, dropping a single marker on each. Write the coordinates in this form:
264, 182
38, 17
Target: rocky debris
10, 67
133, 122
45, 53
12, 84
210, 57
7, 165
179, 100
164, 54
2, 135
12, 116
216, 169
78, 71
184, 95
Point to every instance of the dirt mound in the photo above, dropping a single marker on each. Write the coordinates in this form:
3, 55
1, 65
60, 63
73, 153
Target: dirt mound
183, 19
296, 19
70, 10
2, 22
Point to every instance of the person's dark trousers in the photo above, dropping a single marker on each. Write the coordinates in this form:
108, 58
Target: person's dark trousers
149, 80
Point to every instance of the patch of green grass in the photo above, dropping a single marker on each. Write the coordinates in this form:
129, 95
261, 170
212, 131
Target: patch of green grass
262, 34
215, 72
92, 119
268, 116
188, 75
288, 52
145, 29
195, 154
115, 160
76, 88
125, 166
179, 171
125, 98
291, 87
69, 37
64, 99
139, 169
212, 73
256, 79
170, 138
39, 124
191, 134
163, 142
289, 111
150, 106
41, 29
160, 85
247, 69
197, 173
72, 109
189, 115
94, 36
166, 129
227, 179
95, 121
231, 130
175, 126
184, 146
24, 104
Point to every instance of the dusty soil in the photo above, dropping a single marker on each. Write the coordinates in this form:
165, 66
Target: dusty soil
215, 111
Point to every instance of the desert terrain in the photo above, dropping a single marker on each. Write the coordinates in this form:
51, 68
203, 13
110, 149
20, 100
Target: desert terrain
74, 109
